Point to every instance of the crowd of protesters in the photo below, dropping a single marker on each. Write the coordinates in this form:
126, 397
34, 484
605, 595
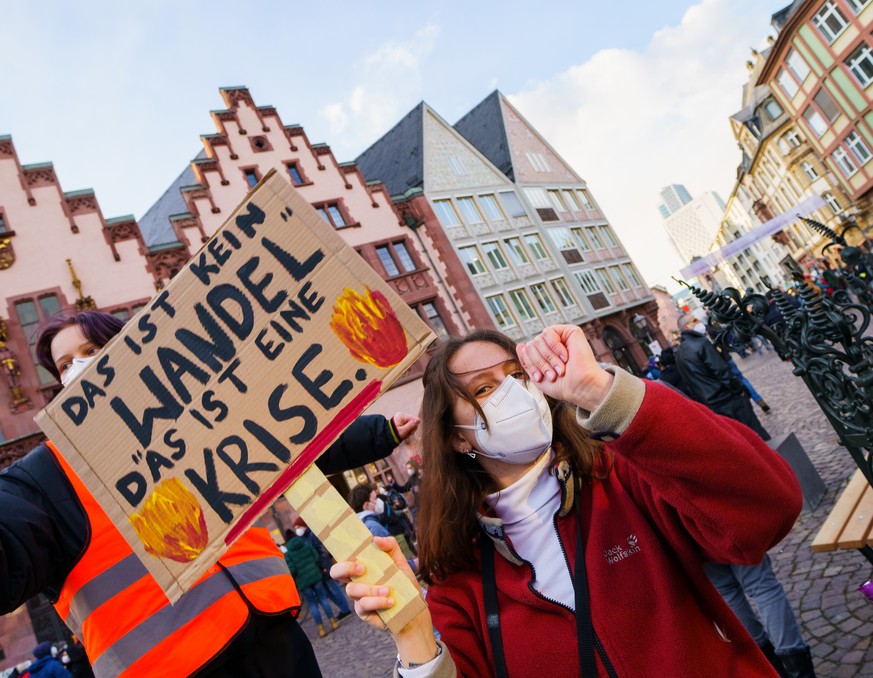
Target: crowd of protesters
547, 485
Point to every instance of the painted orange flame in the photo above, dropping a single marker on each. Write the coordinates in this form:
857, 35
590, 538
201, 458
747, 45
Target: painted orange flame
369, 328
171, 523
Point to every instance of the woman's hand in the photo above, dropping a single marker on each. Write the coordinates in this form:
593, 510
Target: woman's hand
415, 642
405, 424
562, 365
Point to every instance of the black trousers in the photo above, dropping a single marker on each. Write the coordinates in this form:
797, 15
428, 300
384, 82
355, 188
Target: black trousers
741, 410
268, 647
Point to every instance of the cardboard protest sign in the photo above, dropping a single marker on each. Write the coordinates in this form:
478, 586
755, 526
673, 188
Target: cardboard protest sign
229, 384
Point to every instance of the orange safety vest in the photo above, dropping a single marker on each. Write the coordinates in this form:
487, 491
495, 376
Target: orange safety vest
126, 623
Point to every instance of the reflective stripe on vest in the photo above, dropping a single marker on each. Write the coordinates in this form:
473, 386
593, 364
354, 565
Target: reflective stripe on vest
125, 621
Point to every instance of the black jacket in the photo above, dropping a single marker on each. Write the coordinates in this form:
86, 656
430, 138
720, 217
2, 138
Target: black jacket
44, 529
705, 375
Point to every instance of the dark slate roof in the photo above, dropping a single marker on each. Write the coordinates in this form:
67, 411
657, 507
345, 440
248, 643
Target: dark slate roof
483, 127
397, 158
155, 224
780, 18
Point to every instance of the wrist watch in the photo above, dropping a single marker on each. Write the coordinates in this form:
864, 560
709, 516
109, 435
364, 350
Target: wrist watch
413, 665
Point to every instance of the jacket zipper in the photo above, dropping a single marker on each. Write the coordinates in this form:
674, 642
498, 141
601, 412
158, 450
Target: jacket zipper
610, 670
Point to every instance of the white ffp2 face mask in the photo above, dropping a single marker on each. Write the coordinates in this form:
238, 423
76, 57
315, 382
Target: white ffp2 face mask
520, 424
75, 369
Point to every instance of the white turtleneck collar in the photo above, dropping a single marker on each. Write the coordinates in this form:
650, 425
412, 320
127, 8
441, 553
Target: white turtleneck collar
527, 509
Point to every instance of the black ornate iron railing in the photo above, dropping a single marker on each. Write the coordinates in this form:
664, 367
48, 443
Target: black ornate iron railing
824, 337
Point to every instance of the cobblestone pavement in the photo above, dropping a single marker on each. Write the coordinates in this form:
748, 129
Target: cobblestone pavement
837, 620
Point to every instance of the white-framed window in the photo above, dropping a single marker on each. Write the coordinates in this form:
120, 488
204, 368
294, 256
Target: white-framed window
816, 123
501, 313
857, 5
826, 105
606, 236
857, 146
522, 305
844, 161
471, 257
792, 138
446, 213
774, 110
797, 65
594, 239
860, 64
495, 255
618, 278
581, 240
387, 260
512, 204
539, 162
605, 282
631, 275
490, 207
538, 197
469, 211
571, 200
457, 165
557, 201
831, 201
587, 282
516, 251
564, 241
787, 83
403, 256
830, 21
544, 299
809, 170
562, 291
536, 247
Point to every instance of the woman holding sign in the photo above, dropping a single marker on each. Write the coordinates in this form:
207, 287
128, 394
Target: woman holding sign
566, 513
237, 620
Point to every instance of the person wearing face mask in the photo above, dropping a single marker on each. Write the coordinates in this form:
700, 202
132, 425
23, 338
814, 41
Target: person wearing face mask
334, 591
566, 514
412, 484
238, 620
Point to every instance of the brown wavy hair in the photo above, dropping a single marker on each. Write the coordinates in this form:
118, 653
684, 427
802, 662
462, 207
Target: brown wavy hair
453, 485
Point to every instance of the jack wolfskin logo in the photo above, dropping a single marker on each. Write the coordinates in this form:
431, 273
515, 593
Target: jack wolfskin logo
620, 552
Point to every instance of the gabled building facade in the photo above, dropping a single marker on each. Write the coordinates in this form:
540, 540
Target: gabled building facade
819, 70
57, 252
494, 202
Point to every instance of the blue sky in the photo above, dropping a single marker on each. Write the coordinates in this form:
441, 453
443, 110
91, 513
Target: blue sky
634, 94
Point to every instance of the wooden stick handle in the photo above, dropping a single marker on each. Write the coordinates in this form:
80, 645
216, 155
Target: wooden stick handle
347, 538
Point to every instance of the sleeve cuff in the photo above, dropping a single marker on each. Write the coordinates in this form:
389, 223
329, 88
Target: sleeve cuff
395, 436
615, 414
440, 666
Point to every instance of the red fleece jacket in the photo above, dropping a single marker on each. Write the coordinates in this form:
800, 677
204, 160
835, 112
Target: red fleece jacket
687, 487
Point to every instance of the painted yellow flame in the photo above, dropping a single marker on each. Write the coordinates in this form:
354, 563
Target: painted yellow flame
171, 523
369, 328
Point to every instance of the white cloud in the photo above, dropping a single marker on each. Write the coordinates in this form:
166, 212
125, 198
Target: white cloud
388, 83
631, 122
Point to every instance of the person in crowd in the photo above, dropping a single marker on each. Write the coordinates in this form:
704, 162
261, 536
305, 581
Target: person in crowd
325, 561
46, 664
708, 378
669, 372
568, 509
304, 563
711, 381
365, 502
412, 484
56, 539
653, 369
76, 661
